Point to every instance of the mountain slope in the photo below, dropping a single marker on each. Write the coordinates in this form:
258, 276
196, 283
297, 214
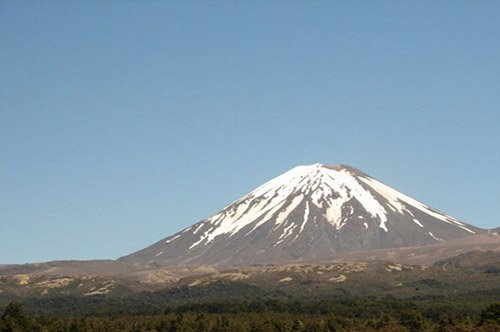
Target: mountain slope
310, 212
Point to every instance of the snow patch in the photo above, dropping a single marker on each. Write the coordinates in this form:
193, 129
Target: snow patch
395, 198
435, 238
418, 223
282, 216
172, 239
306, 216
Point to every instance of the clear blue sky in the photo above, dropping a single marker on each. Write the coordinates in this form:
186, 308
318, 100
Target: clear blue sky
123, 122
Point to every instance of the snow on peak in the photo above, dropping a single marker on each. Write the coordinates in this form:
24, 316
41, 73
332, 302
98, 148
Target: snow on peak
328, 188
335, 191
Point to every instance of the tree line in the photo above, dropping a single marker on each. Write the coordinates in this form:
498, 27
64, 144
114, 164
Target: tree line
271, 316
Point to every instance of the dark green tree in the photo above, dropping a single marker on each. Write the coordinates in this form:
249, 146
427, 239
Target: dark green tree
14, 319
297, 325
412, 319
491, 312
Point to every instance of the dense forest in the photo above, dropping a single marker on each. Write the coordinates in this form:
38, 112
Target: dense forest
271, 315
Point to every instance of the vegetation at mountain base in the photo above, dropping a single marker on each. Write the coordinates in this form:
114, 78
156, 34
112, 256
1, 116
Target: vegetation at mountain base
459, 294
354, 315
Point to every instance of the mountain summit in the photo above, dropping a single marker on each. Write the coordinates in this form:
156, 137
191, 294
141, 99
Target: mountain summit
311, 212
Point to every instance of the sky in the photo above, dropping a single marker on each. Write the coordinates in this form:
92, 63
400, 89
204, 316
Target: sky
123, 122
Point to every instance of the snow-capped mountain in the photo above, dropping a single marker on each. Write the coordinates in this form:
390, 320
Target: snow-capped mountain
311, 212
